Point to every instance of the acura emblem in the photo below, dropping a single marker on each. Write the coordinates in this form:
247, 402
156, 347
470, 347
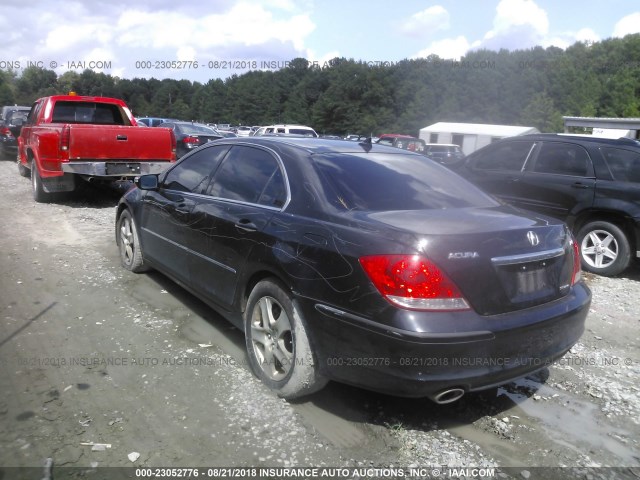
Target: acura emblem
533, 238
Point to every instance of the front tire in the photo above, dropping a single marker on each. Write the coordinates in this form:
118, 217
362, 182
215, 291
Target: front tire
277, 343
128, 241
604, 249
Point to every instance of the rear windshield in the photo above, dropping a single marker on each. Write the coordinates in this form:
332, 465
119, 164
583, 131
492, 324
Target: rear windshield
387, 182
192, 129
87, 112
302, 131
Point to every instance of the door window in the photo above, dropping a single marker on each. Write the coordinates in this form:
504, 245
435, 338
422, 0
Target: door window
250, 175
508, 156
193, 173
563, 159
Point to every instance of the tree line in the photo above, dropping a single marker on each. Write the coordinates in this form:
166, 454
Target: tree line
533, 87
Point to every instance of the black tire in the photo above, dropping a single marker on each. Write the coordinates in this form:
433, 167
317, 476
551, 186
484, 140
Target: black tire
128, 241
39, 195
23, 171
604, 248
277, 343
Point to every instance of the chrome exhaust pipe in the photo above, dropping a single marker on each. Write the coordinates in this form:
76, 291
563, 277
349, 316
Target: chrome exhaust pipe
449, 395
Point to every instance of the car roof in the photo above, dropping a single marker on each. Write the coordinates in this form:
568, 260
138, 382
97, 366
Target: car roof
578, 139
316, 145
395, 135
288, 125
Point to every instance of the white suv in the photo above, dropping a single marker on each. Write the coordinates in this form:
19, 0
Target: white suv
287, 130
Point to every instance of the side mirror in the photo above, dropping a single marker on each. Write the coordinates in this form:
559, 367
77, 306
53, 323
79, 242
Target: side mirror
147, 182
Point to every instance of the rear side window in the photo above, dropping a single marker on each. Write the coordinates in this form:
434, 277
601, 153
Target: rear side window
192, 174
250, 175
624, 165
509, 156
563, 159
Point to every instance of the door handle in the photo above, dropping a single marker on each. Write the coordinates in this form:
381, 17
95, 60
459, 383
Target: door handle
579, 185
246, 225
121, 138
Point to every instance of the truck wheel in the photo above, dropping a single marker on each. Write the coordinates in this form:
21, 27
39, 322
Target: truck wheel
39, 195
604, 248
277, 343
128, 241
23, 171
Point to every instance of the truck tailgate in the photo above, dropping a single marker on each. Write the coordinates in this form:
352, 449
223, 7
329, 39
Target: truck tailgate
117, 142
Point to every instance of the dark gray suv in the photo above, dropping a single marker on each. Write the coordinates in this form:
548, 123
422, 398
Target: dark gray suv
593, 184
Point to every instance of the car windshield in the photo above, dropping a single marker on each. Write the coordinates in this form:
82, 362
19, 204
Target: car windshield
388, 182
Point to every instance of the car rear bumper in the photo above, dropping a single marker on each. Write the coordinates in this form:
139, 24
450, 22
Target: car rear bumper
412, 364
115, 169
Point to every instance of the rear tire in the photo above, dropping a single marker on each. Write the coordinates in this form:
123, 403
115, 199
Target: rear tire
604, 249
39, 194
277, 343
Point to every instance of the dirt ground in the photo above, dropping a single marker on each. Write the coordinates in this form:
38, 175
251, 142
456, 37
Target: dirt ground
93, 354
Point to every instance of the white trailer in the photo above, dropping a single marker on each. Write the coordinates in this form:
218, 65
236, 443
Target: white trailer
471, 136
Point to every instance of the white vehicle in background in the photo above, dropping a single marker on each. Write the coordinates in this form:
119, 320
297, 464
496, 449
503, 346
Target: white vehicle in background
287, 130
242, 131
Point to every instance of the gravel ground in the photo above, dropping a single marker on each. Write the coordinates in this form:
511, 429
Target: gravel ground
91, 353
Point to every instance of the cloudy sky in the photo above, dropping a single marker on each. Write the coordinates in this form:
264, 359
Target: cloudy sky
169, 39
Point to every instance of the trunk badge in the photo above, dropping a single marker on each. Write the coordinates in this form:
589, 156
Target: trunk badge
533, 238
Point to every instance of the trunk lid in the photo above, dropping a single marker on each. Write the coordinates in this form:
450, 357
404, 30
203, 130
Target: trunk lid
501, 259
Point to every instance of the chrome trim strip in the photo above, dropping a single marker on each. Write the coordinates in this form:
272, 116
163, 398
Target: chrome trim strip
188, 250
408, 336
528, 257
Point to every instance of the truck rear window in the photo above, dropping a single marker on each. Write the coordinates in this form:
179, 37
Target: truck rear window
87, 112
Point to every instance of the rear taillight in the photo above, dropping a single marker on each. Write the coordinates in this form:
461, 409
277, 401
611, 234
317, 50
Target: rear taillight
5, 131
577, 271
65, 138
191, 140
413, 282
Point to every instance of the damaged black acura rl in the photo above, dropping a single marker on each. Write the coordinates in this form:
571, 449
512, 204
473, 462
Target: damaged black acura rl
359, 263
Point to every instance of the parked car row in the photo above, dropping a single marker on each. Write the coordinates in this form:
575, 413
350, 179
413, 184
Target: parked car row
355, 261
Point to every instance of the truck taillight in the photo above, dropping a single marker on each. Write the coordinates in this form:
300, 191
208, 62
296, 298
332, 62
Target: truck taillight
5, 131
65, 138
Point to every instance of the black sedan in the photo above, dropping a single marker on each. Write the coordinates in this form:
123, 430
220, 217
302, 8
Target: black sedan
190, 135
10, 128
359, 263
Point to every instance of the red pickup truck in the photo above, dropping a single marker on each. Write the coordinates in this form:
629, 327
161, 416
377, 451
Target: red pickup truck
71, 137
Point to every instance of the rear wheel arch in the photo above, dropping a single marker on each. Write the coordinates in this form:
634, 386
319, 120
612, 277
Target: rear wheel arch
253, 280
